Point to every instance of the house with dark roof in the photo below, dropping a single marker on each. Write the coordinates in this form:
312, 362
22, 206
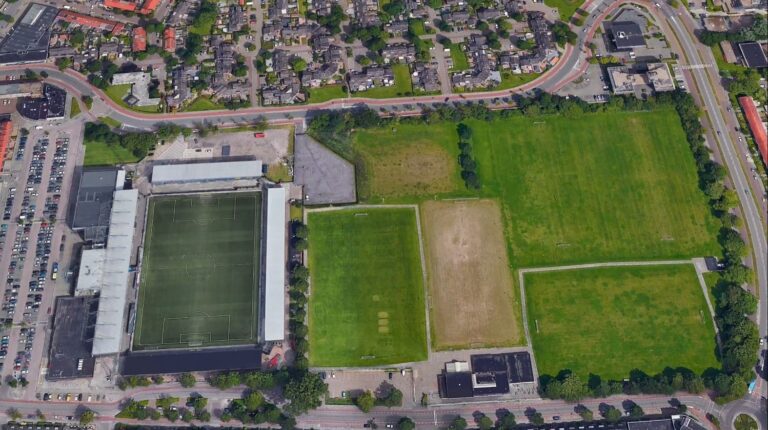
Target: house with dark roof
424, 77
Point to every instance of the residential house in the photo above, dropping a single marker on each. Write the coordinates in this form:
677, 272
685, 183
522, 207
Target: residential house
424, 77
366, 12
399, 52
372, 76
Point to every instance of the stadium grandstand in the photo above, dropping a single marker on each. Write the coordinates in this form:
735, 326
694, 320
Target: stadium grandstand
206, 172
274, 266
104, 272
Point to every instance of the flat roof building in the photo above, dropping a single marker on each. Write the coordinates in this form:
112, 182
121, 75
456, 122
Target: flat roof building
72, 339
93, 204
627, 35
756, 125
27, 42
17, 89
52, 105
753, 55
274, 267
206, 172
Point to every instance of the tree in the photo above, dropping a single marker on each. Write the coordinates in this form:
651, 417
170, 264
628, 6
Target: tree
64, 63
636, 411
187, 416
158, 379
458, 423
203, 416
172, 414
572, 389
13, 414
507, 421
536, 418
304, 392
394, 398
298, 64
365, 401
585, 413
612, 414
187, 380
484, 422
406, 423
253, 401
86, 417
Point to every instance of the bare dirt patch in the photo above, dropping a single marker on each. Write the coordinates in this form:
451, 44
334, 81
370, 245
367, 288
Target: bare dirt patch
472, 300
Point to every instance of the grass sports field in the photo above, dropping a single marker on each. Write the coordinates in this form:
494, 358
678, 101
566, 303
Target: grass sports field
366, 306
610, 321
200, 271
598, 187
465, 247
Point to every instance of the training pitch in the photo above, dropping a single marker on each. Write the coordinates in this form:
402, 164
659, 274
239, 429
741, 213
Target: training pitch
200, 271
610, 321
366, 306
472, 299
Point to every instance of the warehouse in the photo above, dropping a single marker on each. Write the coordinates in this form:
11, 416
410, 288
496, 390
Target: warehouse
206, 172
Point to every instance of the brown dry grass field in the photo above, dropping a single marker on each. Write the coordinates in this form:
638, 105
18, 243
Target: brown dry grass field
472, 298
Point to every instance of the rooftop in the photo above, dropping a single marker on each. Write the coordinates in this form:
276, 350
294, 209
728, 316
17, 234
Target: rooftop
627, 35
274, 277
200, 172
753, 54
94, 201
28, 39
72, 338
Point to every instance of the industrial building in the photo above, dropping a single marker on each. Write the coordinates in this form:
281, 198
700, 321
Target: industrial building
27, 42
274, 266
206, 172
753, 55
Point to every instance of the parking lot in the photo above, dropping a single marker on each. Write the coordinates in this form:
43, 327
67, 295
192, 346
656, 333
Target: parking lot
32, 240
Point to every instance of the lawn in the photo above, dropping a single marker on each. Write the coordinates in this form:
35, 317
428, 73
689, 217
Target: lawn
596, 187
566, 7
200, 271
74, 109
325, 93
416, 27
110, 121
511, 80
101, 154
610, 321
459, 58
366, 306
118, 92
202, 104
407, 161
401, 87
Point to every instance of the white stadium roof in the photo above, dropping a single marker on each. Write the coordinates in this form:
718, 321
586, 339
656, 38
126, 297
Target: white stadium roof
274, 291
106, 271
201, 172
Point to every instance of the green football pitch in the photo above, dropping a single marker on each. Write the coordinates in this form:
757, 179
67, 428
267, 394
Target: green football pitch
610, 321
200, 271
367, 302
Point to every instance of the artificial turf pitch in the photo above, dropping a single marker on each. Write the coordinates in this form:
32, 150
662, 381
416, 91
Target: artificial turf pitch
610, 321
200, 271
366, 305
